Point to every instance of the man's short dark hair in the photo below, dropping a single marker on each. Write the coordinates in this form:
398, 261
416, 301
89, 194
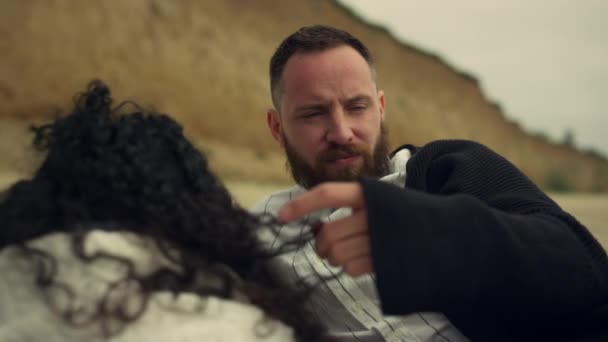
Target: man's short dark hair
310, 39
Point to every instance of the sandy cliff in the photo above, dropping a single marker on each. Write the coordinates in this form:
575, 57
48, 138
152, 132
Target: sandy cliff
205, 63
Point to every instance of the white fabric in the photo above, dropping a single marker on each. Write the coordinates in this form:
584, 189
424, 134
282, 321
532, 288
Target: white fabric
350, 307
27, 315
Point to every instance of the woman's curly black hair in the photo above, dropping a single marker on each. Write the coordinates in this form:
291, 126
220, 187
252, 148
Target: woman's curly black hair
137, 172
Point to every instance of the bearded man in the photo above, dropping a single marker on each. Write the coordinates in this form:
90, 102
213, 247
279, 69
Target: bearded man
450, 237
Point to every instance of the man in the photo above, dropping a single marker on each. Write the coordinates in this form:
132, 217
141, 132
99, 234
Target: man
459, 230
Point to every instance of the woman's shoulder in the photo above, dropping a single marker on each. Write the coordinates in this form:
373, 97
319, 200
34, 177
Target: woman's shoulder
188, 317
167, 317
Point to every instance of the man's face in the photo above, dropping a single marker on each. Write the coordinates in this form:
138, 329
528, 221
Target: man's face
330, 116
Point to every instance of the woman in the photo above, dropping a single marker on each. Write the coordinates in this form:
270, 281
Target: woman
124, 234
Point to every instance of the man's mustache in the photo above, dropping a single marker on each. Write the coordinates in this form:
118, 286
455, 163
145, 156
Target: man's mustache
335, 152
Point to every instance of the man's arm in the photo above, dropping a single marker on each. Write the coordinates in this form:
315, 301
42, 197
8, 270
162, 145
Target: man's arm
472, 237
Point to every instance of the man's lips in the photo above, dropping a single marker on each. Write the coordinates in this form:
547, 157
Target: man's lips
342, 159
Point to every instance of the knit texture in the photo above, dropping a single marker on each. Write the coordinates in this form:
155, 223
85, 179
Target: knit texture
471, 236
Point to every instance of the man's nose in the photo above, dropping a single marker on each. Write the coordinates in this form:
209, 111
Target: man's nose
339, 130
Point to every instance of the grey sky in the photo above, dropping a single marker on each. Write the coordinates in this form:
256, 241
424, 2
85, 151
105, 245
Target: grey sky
544, 61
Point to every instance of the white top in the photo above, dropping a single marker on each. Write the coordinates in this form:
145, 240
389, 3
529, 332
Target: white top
26, 313
350, 307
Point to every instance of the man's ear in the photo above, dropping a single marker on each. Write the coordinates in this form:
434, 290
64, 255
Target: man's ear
274, 124
381, 104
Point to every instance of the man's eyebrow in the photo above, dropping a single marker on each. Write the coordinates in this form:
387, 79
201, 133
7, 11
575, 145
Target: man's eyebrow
307, 107
359, 98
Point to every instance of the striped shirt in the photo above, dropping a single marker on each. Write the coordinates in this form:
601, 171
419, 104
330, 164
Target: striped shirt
350, 307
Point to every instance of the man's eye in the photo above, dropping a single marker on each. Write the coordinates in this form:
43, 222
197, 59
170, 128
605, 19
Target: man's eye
310, 115
358, 108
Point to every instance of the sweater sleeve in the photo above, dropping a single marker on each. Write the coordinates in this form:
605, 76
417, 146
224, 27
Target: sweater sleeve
473, 237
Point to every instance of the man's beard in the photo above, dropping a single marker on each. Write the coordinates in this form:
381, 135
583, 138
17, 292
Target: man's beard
375, 164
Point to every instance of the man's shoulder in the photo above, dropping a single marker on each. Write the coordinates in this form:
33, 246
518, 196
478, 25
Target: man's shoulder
271, 203
442, 145
464, 152
454, 145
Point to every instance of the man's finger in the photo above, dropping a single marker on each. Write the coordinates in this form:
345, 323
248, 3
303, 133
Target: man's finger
342, 252
342, 229
358, 267
324, 196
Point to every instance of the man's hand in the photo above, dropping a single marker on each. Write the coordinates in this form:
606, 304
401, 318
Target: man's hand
344, 242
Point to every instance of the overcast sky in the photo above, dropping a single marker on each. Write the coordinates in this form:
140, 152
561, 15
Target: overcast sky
544, 61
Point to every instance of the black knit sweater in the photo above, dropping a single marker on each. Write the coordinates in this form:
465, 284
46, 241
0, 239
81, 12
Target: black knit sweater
471, 236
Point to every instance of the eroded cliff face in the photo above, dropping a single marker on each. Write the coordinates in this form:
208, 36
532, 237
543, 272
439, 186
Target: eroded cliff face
205, 63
